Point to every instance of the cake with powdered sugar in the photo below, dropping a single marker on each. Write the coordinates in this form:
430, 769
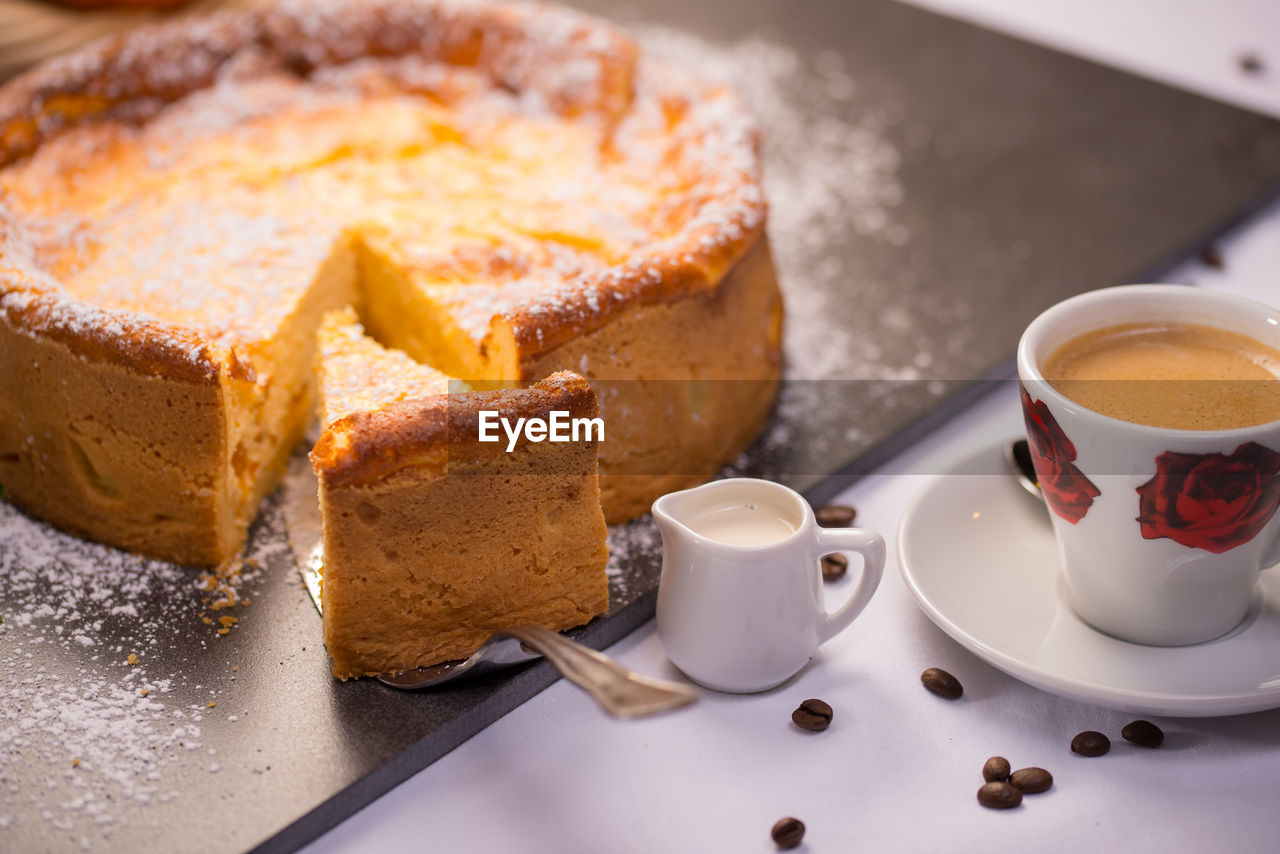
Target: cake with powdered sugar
502, 191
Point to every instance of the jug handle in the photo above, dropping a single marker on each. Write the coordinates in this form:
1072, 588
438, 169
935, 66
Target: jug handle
870, 545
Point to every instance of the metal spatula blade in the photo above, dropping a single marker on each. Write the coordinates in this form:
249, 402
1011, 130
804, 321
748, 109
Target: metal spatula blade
619, 691
497, 653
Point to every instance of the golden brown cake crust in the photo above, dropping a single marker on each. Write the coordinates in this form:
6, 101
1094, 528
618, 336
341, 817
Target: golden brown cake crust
135, 342
368, 445
133, 76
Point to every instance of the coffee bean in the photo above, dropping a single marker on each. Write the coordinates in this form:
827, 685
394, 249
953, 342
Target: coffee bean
813, 715
942, 683
1143, 734
835, 515
788, 832
999, 796
1031, 781
834, 567
1251, 63
1090, 743
1211, 257
996, 770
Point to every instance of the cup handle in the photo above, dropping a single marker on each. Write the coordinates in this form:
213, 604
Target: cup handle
870, 545
1271, 559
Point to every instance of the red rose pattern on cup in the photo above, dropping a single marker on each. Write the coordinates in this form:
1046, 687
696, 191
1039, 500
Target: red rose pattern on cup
1213, 502
1066, 489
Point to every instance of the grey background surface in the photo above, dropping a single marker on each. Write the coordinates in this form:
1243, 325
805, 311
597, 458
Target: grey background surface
1056, 176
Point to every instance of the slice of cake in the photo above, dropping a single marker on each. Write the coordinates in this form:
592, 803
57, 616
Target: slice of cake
434, 539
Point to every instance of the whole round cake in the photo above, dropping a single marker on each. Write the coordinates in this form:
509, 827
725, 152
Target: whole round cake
500, 191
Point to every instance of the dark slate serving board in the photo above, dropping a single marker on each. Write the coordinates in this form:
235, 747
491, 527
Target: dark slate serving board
1026, 176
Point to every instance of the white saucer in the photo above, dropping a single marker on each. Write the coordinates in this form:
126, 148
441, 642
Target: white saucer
979, 556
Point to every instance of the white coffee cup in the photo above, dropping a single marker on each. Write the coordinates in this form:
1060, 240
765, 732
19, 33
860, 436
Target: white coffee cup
740, 601
1130, 503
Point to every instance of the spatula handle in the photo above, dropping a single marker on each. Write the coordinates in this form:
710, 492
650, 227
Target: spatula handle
618, 691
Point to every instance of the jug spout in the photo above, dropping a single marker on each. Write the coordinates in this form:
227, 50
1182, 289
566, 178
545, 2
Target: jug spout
665, 513
682, 516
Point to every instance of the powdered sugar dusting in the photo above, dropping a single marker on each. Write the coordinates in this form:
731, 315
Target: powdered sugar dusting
822, 174
358, 374
831, 175
635, 554
243, 187
98, 715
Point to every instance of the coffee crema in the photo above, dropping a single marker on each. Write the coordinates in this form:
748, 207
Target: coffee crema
1178, 375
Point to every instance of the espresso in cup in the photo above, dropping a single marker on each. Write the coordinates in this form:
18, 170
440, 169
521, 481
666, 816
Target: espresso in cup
1182, 376
1153, 419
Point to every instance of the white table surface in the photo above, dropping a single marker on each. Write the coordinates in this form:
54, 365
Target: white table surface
898, 769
